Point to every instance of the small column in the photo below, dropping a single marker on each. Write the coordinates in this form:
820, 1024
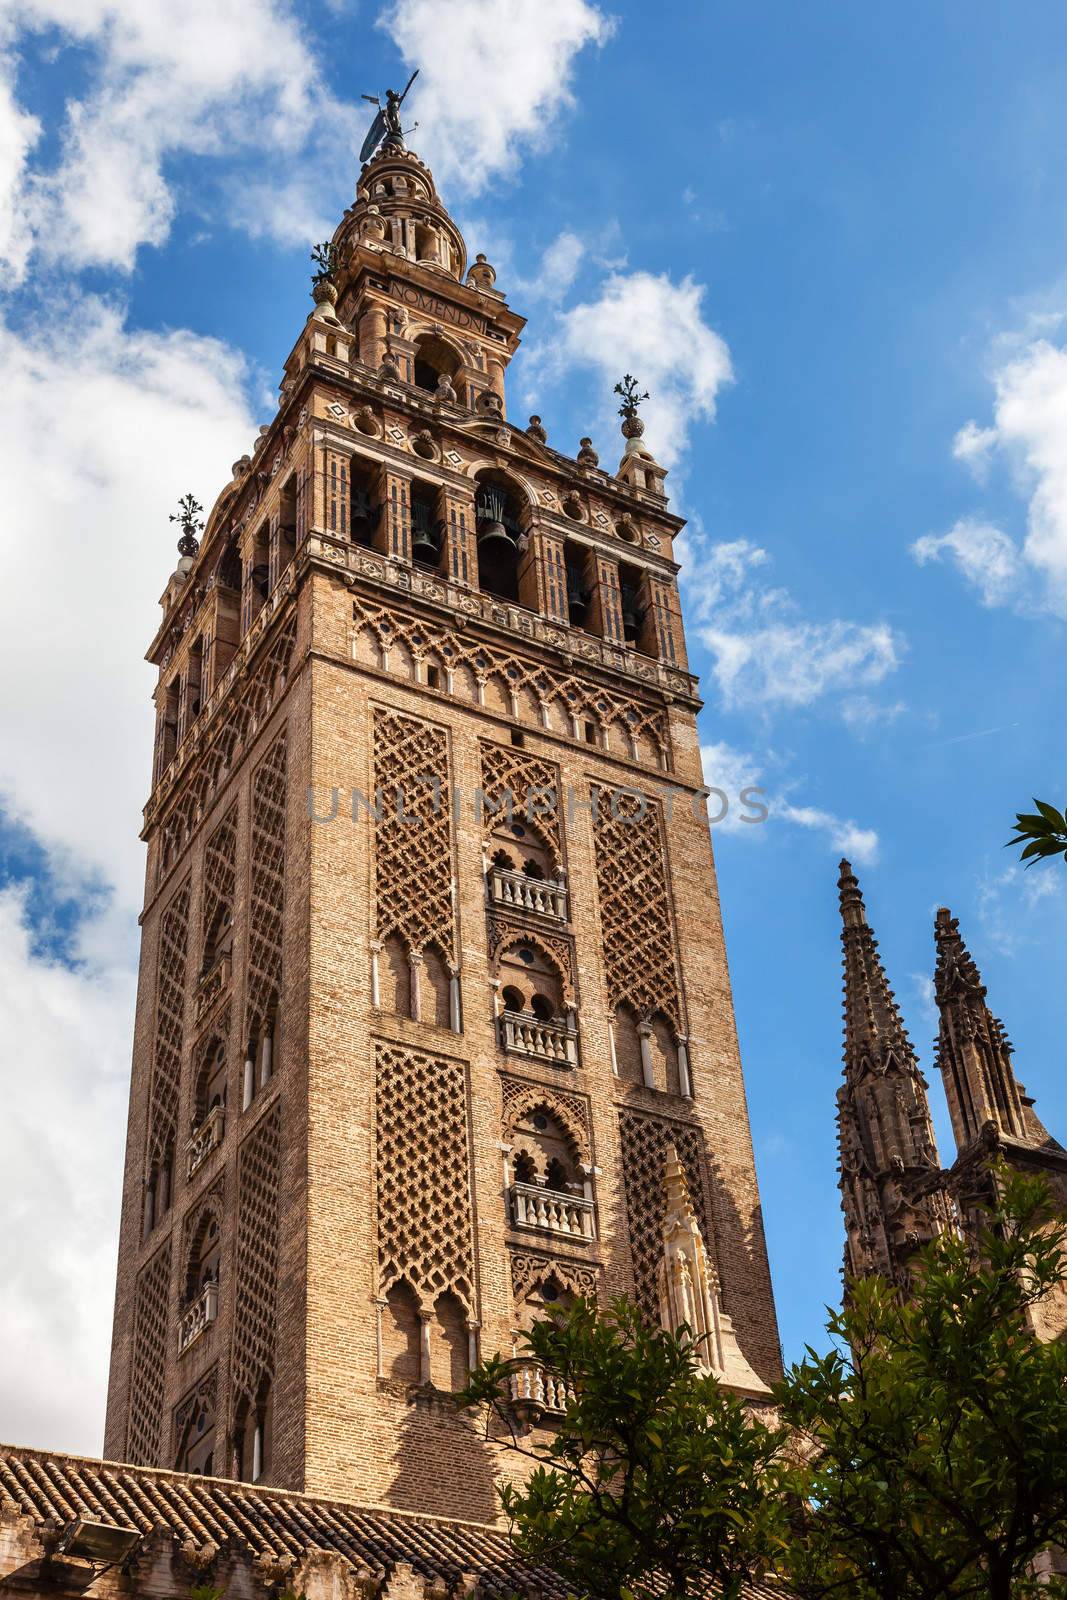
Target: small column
611, 1046
375, 975
149, 1220
685, 1083
473, 1330
587, 1190
266, 1059
455, 1015
495, 368
257, 1452
425, 1318
249, 1082
572, 1035
415, 963
379, 1346
644, 1034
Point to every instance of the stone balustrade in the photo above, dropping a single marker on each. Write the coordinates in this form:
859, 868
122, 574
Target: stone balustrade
207, 1137
534, 1388
551, 1211
198, 1317
544, 1041
514, 891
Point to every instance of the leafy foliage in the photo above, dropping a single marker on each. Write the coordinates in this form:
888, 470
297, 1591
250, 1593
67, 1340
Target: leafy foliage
631, 399
1042, 833
935, 1433
324, 256
656, 1482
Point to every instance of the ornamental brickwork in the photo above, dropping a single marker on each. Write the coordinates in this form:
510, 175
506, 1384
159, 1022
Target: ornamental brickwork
434, 994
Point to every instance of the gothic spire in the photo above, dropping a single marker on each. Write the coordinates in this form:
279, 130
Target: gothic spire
973, 1050
888, 1159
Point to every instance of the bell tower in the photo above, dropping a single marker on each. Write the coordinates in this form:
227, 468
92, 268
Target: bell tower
434, 1025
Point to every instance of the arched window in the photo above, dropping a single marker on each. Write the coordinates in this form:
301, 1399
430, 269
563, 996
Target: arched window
210, 1091
436, 994
395, 977
627, 1046
401, 1343
498, 509
664, 1052
196, 1447
449, 1345
434, 359
525, 971
205, 1258
546, 1152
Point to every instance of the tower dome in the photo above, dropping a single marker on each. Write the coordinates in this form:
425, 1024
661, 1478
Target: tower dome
398, 210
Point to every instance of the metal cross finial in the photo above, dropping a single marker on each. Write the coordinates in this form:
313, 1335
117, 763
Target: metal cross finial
386, 126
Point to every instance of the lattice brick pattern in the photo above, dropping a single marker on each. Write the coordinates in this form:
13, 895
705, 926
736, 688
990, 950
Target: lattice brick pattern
170, 1027
150, 1328
635, 908
529, 781
575, 695
220, 872
246, 709
267, 879
256, 1271
645, 1141
423, 1175
413, 838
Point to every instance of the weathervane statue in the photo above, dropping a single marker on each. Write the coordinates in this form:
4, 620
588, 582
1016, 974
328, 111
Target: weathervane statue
386, 126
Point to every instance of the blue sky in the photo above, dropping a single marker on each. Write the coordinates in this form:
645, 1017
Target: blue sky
830, 239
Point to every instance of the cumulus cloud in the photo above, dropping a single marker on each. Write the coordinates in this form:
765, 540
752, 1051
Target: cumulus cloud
102, 428
1029, 433
982, 554
494, 80
764, 652
645, 323
204, 77
69, 1030
735, 771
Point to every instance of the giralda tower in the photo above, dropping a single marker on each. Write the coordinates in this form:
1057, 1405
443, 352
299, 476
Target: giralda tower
434, 1024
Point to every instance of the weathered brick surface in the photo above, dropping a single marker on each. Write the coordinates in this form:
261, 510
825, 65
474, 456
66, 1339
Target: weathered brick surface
348, 632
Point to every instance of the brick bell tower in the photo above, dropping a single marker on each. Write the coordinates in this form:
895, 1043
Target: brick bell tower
434, 1023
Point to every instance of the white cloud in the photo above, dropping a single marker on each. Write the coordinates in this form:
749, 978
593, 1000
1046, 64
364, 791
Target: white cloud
974, 445
844, 836
66, 1051
101, 430
734, 771
764, 653
1008, 900
560, 263
494, 80
644, 323
983, 555
19, 133
206, 77
1029, 432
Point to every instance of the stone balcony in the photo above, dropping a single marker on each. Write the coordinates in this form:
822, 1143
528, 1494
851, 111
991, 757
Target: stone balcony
514, 891
198, 1317
550, 1211
207, 1137
212, 985
554, 1042
536, 1392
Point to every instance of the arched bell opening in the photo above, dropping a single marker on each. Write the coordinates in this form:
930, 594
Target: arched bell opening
435, 359
637, 619
427, 526
499, 518
580, 586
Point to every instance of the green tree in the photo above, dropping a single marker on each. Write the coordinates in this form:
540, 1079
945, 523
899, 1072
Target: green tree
654, 1483
935, 1432
1041, 833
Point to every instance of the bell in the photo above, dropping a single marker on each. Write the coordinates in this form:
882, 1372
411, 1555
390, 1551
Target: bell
577, 602
493, 534
364, 516
425, 536
260, 576
633, 615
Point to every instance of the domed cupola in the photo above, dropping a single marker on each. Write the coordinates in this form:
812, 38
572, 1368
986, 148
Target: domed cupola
398, 210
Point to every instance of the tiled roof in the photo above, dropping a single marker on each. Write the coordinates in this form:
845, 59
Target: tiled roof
245, 1521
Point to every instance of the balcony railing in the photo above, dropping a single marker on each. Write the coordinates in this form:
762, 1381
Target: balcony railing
199, 1317
534, 1390
517, 892
207, 1137
212, 984
551, 1211
545, 1041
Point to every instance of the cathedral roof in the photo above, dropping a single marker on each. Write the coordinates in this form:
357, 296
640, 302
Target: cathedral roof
874, 1029
254, 1524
